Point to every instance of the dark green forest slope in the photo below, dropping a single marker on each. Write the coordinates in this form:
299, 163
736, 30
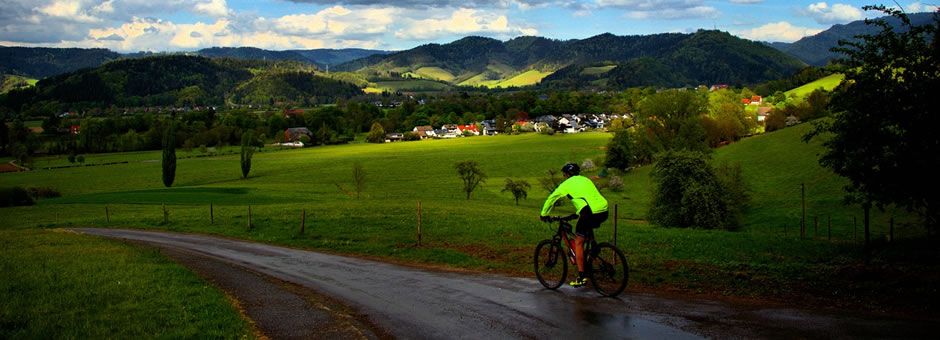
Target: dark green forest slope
177, 80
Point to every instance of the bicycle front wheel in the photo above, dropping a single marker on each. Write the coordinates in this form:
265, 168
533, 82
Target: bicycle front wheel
609, 270
551, 265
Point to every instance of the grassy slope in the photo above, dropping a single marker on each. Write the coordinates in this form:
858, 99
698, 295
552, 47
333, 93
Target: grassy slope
66, 285
486, 232
828, 83
530, 77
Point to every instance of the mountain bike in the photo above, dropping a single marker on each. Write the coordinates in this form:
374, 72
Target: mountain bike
604, 263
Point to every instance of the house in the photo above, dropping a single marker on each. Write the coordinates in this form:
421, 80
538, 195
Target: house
757, 100
763, 112
424, 131
293, 134
489, 128
718, 87
442, 133
452, 128
293, 112
75, 129
746, 101
472, 128
394, 137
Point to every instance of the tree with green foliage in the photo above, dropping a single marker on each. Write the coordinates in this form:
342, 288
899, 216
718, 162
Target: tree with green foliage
883, 133
518, 188
247, 151
471, 175
688, 193
620, 150
672, 120
168, 162
376, 133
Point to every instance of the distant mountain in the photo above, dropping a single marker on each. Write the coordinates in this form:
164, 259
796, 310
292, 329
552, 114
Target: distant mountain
332, 57
669, 59
41, 62
815, 49
252, 53
183, 81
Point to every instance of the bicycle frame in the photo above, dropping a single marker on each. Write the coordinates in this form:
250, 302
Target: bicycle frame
565, 228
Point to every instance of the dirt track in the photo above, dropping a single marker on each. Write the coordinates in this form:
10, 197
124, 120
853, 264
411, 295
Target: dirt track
293, 293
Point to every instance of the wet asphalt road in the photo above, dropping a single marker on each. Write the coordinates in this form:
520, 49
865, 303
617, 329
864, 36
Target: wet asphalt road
408, 302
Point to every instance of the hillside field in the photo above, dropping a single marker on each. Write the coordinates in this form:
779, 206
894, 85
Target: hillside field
827, 83
487, 232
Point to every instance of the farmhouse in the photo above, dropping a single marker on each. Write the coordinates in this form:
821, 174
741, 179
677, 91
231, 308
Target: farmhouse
763, 112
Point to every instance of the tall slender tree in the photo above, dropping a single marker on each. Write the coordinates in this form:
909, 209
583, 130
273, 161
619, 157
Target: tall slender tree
248, 150
169, 155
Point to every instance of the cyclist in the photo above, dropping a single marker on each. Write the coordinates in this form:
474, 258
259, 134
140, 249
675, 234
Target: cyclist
590, 205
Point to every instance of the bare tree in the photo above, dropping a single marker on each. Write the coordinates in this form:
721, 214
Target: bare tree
359, 178
471, 175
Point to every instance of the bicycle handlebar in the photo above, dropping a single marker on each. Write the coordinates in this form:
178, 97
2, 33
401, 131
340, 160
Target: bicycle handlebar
562, 218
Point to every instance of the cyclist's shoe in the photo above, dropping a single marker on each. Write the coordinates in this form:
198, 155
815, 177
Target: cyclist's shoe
578, 282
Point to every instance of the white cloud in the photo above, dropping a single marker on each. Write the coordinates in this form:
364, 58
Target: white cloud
836, 14
919, 7
779, 31
214, 8
463, 21
661, 9
746, 1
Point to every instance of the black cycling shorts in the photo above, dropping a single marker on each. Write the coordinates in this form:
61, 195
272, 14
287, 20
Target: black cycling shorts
588, 221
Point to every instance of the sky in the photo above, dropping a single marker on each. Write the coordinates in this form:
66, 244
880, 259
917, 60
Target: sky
185, 25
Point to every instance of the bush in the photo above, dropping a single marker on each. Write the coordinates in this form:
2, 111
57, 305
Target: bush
615, 183
411, 136
15, 196
38, 193
690, 193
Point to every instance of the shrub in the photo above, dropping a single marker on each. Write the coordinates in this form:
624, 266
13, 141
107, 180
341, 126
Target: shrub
689, 192
37, 192
15, 196
615, 183
411, 136
587, 164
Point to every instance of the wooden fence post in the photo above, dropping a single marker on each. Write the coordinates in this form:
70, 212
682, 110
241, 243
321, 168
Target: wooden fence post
815, 227
166, 216
211, 213
249, 217
419, 223
107, 215
303, 220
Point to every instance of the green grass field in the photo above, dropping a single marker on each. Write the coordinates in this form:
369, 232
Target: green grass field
487, 232
435, 73
416, 85
64, 285
593, 71
827, 83
530, 77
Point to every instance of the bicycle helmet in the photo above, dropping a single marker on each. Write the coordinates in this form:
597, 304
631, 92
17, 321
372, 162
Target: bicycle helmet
571, 169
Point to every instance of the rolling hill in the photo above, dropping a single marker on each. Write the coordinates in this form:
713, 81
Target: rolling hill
815, 50
40, 62
669, 60
182, 80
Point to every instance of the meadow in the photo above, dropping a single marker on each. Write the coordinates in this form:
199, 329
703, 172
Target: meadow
766, 258
61, 284
827, 83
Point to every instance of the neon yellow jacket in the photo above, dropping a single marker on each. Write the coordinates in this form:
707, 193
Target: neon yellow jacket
582, 193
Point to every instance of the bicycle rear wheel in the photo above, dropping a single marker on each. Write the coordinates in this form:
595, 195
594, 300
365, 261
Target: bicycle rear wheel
551, 264
609, 270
